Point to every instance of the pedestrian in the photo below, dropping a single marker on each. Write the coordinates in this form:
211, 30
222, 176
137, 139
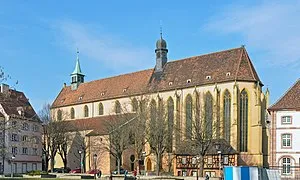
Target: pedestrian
206, 177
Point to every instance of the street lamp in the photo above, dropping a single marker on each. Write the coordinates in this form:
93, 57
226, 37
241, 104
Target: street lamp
220, 162
95, 165
11, 165
80, 153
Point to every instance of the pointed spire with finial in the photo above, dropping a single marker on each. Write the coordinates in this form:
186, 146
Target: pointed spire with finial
77, 77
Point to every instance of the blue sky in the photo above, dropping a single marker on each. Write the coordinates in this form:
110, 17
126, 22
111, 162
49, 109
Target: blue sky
38, 39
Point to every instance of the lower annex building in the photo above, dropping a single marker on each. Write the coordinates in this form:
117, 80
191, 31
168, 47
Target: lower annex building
225, 86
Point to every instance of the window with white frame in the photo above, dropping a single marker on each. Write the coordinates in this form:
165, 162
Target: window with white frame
286, 119
34, 151
286, 140
25, 127
286, 166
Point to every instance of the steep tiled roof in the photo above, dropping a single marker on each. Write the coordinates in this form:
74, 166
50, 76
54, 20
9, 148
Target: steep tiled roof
290, 100
12, 100
97, 124
228, 65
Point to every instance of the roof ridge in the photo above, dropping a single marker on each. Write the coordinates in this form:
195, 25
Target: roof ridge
206, 54
285, 93
117, 76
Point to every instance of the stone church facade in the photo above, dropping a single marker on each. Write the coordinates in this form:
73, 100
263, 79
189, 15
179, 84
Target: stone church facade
226, 81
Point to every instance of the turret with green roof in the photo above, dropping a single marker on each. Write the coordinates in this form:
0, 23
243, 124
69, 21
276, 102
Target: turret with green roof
77, 77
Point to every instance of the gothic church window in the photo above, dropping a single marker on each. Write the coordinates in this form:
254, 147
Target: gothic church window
134, 105
189, 116
208, 115
86, 111
59, 115
101, 109
243, 121
117, 107
227, 115
72, 113
170, 124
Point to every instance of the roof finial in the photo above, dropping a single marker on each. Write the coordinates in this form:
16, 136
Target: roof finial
77, 51
161, 29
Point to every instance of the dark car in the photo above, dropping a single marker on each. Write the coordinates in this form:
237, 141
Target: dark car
96, 171
59, 170
122, 171
77, 170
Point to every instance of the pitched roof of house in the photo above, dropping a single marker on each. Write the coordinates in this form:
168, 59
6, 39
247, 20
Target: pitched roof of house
98, 125
13, 100
290, 100
217, 67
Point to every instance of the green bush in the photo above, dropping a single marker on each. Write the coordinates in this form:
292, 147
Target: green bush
36, 172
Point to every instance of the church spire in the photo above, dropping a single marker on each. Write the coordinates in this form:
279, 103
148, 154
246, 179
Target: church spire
161, 53
77, 77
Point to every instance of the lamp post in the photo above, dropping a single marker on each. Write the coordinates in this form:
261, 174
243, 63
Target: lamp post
80, 153
11, 165
220, 162
95, 165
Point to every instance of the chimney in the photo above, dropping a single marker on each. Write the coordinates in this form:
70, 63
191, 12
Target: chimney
65, 85
4, 88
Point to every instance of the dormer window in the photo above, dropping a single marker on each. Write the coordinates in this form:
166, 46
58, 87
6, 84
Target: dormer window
125, 89
208, 77
188, 81
80, 98
170, 83
20, 111
102, 94
228, 74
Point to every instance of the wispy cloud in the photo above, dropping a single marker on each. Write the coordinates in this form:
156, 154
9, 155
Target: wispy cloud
111, 51
271, 27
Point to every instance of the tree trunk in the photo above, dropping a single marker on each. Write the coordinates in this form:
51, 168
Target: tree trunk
119, 164
201, 166
52, 164
158, 163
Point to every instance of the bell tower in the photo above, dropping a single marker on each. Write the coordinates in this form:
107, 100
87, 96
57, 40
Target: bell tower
77, 77
161, 53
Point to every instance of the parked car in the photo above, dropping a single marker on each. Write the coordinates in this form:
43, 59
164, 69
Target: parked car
59, 170
122, 171
77, 170
96, 171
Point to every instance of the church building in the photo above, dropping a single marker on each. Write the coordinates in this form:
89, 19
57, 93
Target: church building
226, 81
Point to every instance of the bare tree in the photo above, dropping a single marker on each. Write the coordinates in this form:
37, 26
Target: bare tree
200, 131
119, 136
55, 136
157, 131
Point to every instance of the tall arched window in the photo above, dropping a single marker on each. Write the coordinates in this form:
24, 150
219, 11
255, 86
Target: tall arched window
153, 111
135, 105
243, 121
59, 115
86, 111
189, 116
286, 166
170, 124
208, 115
227, 115
72, 113
100, 108
118, 107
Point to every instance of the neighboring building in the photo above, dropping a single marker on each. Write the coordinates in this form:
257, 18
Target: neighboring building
226, 81
285, 131
20, 131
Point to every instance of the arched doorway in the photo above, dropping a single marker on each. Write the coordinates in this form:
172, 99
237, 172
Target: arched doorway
132, 158
149, 165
